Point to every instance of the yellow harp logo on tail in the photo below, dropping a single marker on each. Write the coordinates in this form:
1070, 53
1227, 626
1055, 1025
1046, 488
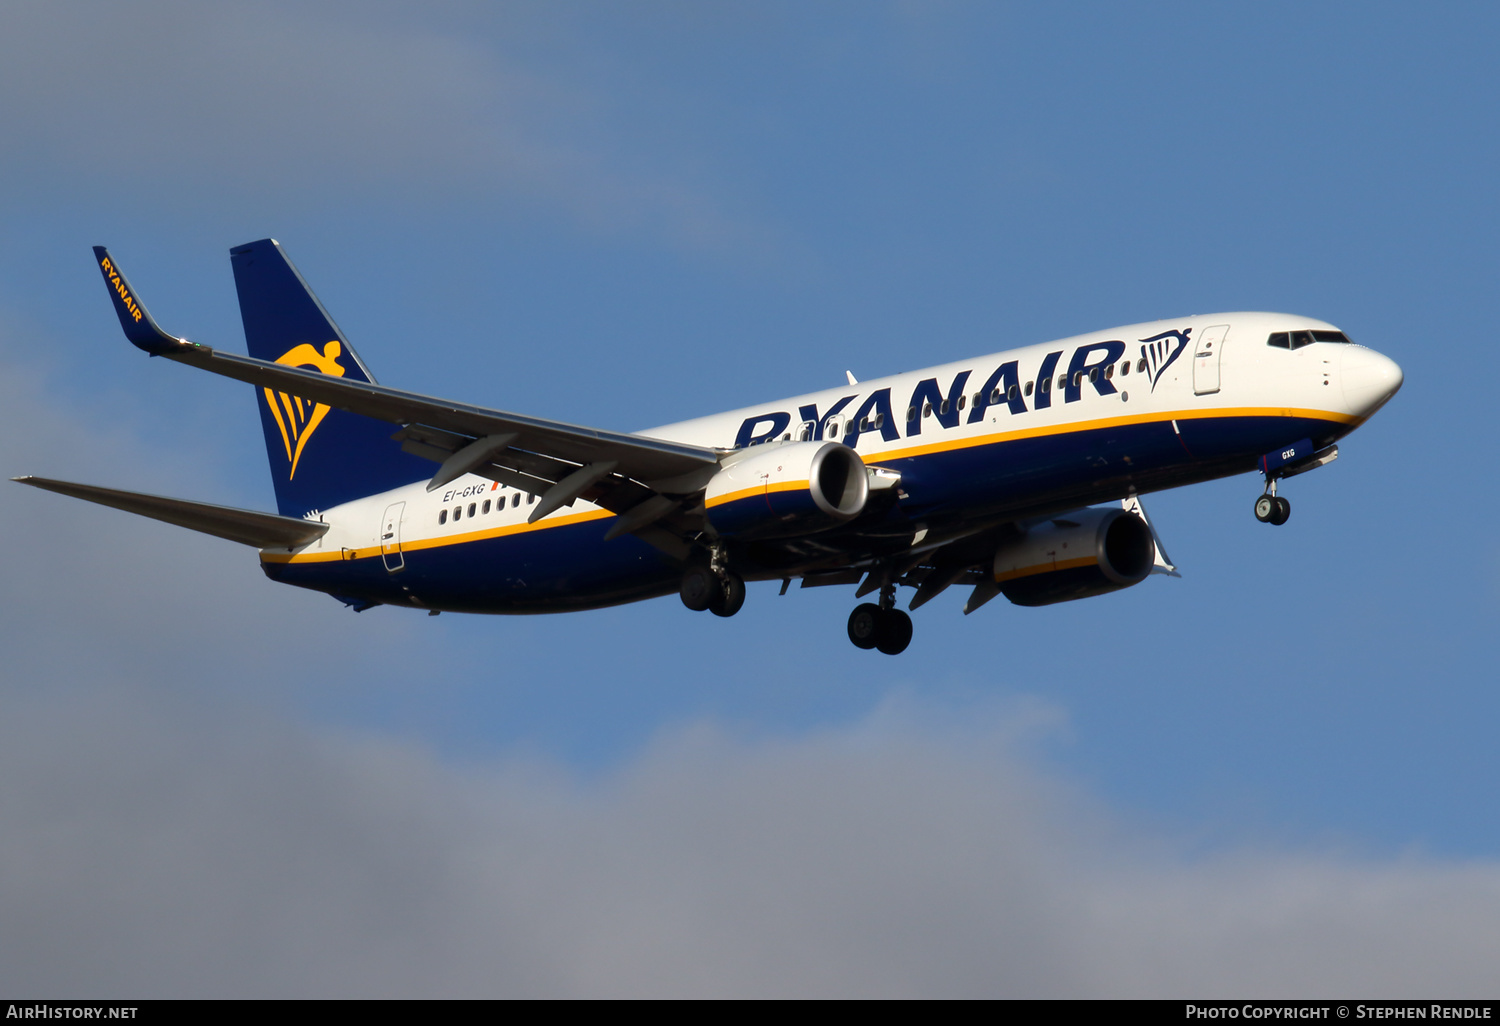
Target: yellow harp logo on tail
299, 418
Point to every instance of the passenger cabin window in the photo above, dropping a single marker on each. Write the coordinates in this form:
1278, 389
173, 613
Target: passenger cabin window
1028, 388
515, 500
442, 516
486, 509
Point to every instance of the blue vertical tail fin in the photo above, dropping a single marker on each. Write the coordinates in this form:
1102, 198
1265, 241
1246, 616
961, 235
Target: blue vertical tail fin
320, 456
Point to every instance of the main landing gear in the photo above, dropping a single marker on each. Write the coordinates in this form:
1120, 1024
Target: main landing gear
882, 627
1271, 508
711, 587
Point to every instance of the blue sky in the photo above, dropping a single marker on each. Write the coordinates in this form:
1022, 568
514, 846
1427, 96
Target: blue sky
629, 215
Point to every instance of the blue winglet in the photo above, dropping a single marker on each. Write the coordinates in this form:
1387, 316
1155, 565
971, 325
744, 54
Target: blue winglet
138, 325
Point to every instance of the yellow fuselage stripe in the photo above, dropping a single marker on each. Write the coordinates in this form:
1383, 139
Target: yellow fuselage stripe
993, 438
336, 555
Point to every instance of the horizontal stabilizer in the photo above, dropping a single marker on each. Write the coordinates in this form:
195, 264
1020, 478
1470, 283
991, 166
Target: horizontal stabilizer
246, 526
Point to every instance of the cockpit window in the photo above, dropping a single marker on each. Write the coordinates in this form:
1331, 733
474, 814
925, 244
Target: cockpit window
1298, 339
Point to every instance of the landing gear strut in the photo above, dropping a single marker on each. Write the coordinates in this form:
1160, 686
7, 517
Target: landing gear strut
882, 627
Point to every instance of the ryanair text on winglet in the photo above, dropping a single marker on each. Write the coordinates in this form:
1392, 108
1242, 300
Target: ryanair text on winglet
118, 284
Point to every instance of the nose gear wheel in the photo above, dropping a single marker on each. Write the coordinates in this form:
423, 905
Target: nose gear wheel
1272, 509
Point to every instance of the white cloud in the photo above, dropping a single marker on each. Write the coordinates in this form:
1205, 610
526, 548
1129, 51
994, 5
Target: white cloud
149, 852
318, 102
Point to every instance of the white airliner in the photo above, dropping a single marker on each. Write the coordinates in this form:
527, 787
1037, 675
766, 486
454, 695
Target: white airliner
987, 472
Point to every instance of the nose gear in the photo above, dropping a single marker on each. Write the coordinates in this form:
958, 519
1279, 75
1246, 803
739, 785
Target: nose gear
1297, 458
1271, 508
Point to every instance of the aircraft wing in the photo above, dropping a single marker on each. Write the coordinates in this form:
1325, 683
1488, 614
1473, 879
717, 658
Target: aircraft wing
246, 526
560, 461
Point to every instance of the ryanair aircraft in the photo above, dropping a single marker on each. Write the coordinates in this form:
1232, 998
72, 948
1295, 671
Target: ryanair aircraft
991, 473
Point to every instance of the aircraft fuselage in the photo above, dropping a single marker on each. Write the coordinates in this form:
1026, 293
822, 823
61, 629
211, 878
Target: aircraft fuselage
977, 443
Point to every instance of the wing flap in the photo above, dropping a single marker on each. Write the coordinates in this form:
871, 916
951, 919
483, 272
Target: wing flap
246, 526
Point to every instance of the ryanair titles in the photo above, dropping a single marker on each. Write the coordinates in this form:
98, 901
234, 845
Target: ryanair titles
118, 284
1092, 365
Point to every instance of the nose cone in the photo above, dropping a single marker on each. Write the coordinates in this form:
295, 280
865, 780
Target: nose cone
1369, 379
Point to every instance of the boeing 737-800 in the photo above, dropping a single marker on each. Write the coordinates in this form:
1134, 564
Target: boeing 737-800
992, 472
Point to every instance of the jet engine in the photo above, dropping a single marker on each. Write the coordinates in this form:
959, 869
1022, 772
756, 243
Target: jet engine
1083, 553
787, 489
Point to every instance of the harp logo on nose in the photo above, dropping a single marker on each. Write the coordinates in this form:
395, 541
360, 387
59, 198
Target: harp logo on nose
1160, 351
298, 418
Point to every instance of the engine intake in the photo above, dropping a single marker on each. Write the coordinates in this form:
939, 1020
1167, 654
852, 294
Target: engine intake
788, 489
1085, 553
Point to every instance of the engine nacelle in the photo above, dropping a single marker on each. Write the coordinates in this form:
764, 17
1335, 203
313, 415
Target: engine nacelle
792, 488
1088, 552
